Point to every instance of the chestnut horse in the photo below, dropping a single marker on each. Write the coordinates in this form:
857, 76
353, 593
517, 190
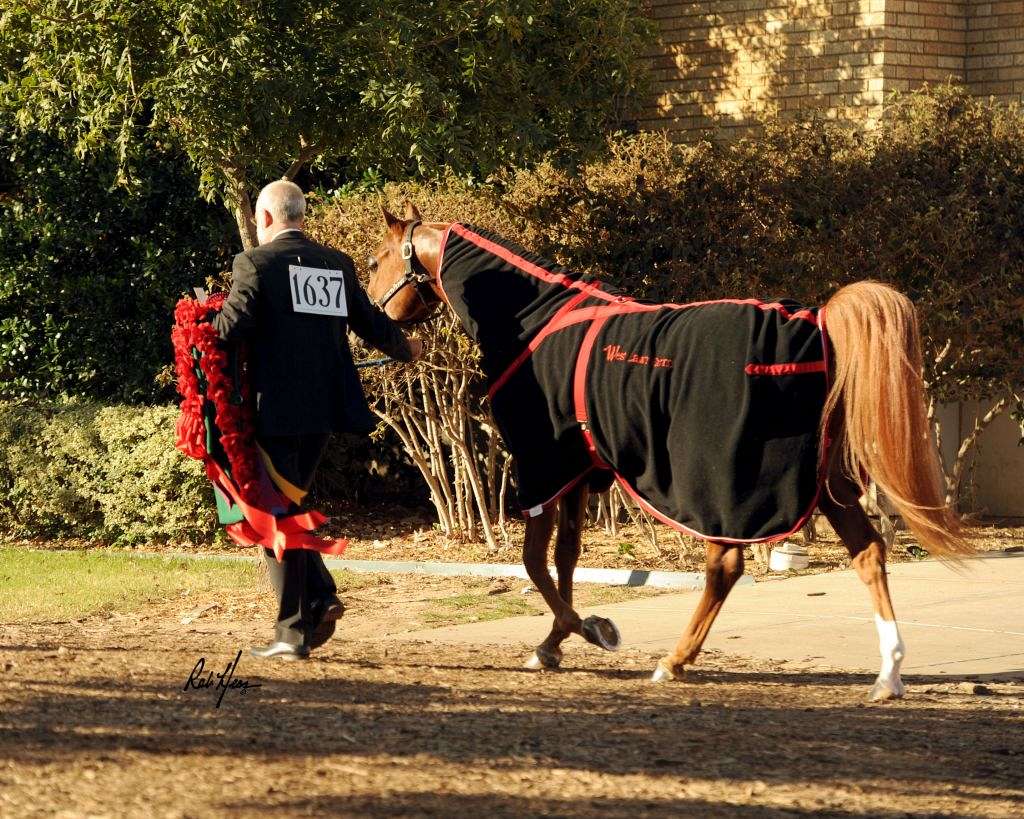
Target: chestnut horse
874, 418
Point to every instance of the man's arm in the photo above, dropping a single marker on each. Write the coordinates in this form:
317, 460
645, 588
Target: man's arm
371, 324
239, 311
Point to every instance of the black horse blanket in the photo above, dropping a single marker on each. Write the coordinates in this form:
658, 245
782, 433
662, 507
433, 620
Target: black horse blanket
707, 413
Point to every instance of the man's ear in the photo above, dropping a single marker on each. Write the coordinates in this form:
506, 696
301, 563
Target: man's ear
265, 217
390, 218
412, 213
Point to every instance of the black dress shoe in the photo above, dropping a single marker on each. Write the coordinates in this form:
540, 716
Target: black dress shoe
330, 610
286, 651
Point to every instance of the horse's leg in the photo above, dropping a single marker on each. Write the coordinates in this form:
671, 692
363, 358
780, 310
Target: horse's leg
535, 559
866, 546
724, 566
567, 552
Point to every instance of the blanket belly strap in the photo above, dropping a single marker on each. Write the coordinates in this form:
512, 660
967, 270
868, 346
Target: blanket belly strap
579, 388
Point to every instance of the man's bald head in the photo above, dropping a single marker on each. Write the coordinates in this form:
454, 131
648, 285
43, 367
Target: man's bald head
279, 206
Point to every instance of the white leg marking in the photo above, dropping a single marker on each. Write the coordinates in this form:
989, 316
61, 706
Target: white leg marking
890, 646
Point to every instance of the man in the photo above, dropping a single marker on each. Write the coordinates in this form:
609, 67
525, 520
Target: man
294, 300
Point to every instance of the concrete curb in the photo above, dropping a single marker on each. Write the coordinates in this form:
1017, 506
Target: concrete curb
608, 577
636, 578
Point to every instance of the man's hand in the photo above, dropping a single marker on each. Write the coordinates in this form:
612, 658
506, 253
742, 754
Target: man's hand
416, 348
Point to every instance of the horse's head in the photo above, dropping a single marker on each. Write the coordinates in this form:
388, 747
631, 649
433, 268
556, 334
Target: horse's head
404, 270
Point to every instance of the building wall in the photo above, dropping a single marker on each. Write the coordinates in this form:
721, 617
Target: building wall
995, 49
924, 42
724, 63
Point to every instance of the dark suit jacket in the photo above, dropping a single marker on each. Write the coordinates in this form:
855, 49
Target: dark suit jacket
301, 365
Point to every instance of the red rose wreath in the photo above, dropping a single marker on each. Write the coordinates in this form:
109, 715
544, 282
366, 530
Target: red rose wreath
216, 426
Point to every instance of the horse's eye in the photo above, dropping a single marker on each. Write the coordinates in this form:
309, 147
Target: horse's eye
372, 263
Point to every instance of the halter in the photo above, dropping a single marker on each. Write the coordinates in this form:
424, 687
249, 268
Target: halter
410, 275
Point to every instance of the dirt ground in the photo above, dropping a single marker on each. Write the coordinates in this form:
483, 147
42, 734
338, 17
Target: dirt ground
94, 721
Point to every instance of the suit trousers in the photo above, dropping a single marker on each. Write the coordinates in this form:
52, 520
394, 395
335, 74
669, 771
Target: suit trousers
301, 578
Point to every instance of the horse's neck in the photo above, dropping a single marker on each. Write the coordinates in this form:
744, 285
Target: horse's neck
427, 243
494, 306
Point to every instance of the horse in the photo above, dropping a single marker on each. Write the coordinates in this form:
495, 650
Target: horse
845, 405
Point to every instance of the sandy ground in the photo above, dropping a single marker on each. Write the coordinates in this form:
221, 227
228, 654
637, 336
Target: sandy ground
94, 721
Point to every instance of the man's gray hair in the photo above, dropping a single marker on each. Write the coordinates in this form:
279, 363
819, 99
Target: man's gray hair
284, 200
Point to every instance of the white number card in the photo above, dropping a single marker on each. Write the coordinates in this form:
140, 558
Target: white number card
318, 291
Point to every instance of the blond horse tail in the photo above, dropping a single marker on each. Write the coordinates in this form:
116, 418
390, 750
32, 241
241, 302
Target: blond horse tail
879, 391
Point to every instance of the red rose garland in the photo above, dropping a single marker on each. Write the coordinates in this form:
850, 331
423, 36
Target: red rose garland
194, 331
192, 334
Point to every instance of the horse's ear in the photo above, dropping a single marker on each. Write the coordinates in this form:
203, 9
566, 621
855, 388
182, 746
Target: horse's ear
390, 218
412, 213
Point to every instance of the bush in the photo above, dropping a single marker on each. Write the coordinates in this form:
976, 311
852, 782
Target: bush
104, 473
930, 202
90, 269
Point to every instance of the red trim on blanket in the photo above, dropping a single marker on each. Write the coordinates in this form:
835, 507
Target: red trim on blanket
553, 326
622, 305
694, 533
805, 315
440, 263
573, 483
579, 400
786, 369
531, 268
566, 317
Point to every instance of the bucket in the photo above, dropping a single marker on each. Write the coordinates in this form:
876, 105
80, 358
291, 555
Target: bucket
788, 556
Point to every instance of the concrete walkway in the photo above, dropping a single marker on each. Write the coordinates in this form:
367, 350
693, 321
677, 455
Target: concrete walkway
965, 623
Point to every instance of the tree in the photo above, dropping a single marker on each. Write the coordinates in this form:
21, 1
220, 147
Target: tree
254, 90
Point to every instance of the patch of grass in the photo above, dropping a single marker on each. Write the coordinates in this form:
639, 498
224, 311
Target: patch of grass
472, 608
476, 607
587, 594
48, 586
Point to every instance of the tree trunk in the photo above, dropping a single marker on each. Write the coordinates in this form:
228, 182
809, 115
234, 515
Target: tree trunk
240, 206
246, 221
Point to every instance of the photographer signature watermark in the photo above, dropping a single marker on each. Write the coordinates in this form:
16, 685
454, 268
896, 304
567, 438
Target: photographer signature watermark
200, 679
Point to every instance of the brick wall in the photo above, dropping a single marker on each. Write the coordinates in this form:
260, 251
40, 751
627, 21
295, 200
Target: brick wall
995, 49
723, 63
925, 41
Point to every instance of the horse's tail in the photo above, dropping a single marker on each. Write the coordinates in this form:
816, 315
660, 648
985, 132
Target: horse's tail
878, 391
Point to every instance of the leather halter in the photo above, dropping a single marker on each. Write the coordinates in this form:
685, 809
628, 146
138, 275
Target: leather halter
410, 276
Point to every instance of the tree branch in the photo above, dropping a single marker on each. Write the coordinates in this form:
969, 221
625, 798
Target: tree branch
306, 153
968, 443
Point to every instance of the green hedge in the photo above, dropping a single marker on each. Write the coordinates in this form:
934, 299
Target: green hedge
110, 473
90, 268
100, 473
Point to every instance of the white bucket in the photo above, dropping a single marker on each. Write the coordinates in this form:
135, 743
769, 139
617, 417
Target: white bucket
788, 556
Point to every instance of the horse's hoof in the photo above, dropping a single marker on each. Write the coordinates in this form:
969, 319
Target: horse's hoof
544, 658
601, 632
886, 690
663, 673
